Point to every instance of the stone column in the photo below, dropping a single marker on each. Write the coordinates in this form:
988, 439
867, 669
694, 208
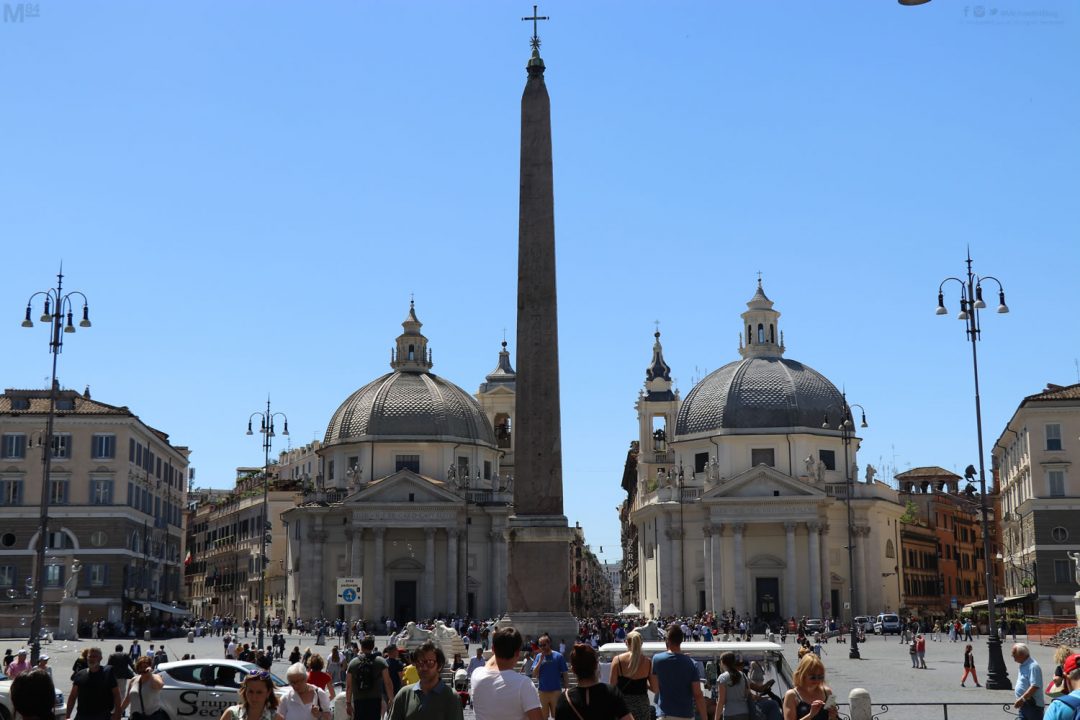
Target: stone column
316, 537
463, 588
858, 582
451, 571
675, 535
826, 570
791, 580
664, 603
867, 585
716, 544
739, 566
378, 575
428, 603
355, 535
706, 553
813, 561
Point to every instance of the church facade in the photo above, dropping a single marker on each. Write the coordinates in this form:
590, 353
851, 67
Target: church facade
742, 486
413, 496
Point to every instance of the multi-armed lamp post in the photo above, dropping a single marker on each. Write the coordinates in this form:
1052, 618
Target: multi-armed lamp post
847, 432
57, 309
971, 302
266, 428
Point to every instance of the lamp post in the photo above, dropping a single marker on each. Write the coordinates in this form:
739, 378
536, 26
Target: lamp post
847, 431
266, 428
971, 301
58, 307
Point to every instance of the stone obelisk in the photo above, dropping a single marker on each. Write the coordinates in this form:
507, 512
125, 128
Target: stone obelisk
538, 587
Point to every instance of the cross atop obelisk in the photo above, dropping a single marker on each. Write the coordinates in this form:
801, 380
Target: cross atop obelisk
535, 41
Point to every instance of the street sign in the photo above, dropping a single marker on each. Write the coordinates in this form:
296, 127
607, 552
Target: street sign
146, 608
847, 606
349, 590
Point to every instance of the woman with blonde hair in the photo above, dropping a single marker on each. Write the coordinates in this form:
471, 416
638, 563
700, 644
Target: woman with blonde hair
257, 699
630, 673
144, 692
303, 701
811, 698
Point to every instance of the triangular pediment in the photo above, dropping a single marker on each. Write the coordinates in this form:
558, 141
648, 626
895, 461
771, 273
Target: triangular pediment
763, 482
403, 487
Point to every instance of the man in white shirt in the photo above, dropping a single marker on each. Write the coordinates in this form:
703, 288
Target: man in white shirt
499, 692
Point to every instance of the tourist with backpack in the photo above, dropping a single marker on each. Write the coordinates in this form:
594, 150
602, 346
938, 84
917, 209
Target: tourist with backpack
1067, 707
367, 681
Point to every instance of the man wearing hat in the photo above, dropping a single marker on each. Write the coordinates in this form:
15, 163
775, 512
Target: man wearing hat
1067, 706
19, 665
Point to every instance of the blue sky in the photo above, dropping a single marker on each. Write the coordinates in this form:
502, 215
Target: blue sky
248, 192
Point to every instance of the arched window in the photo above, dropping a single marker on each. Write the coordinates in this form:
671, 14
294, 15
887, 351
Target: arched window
503, 430
772, 333
890, 550
749, 335
412, 353
760, 333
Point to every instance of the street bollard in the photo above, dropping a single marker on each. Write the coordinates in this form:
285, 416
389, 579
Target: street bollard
860, 704
191, 636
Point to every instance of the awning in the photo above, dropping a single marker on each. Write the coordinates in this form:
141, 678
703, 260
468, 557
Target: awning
1008, 600
162, 607
630, 610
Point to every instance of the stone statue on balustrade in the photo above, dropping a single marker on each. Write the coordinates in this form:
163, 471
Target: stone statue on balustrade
871, 472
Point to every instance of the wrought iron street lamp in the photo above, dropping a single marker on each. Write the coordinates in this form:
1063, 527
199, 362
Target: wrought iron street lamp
847, 431
266, 428
58, 307
971, 302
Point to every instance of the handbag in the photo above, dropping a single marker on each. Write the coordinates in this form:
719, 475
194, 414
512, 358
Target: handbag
1056, 688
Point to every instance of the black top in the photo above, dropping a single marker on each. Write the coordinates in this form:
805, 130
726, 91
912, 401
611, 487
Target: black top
802, 708
596, 702
630, 686
121, 665
95, 690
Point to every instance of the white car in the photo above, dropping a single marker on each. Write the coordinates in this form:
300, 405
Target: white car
8, 713
204, 688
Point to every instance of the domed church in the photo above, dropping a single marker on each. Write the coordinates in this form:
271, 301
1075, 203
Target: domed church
413, 495
741, 490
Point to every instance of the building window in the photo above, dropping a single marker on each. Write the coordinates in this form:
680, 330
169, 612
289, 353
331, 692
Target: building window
487, 469
13, 446
827, 458
103, 447
61, 446
1057, 482
1063, 572
1059, 534
407, 462
54, 576
98, 573
11, 492
59, 540
101, 491
58, 492
463, 466
701, 461
890, 549
1053, 436
7, 576
762, 456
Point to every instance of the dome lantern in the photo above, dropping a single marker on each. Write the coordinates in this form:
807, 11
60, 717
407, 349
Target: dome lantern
412, 354
763, 336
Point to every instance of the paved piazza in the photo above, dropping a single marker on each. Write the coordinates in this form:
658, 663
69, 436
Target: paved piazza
885, 670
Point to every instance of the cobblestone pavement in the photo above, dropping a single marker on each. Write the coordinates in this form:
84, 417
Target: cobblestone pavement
885, 670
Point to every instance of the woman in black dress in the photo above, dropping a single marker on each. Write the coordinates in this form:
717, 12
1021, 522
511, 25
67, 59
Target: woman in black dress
591, 699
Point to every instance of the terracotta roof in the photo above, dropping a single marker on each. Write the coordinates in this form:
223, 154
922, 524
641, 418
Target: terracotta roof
1057, 392
37, 403
931, 471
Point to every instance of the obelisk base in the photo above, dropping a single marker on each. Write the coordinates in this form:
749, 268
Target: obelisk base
539, 578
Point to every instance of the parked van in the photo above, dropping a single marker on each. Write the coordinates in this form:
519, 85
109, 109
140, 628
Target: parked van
887, 623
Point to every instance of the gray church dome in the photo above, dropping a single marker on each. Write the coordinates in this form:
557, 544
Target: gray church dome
410, 405
764, 389
759, 392
411, 402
